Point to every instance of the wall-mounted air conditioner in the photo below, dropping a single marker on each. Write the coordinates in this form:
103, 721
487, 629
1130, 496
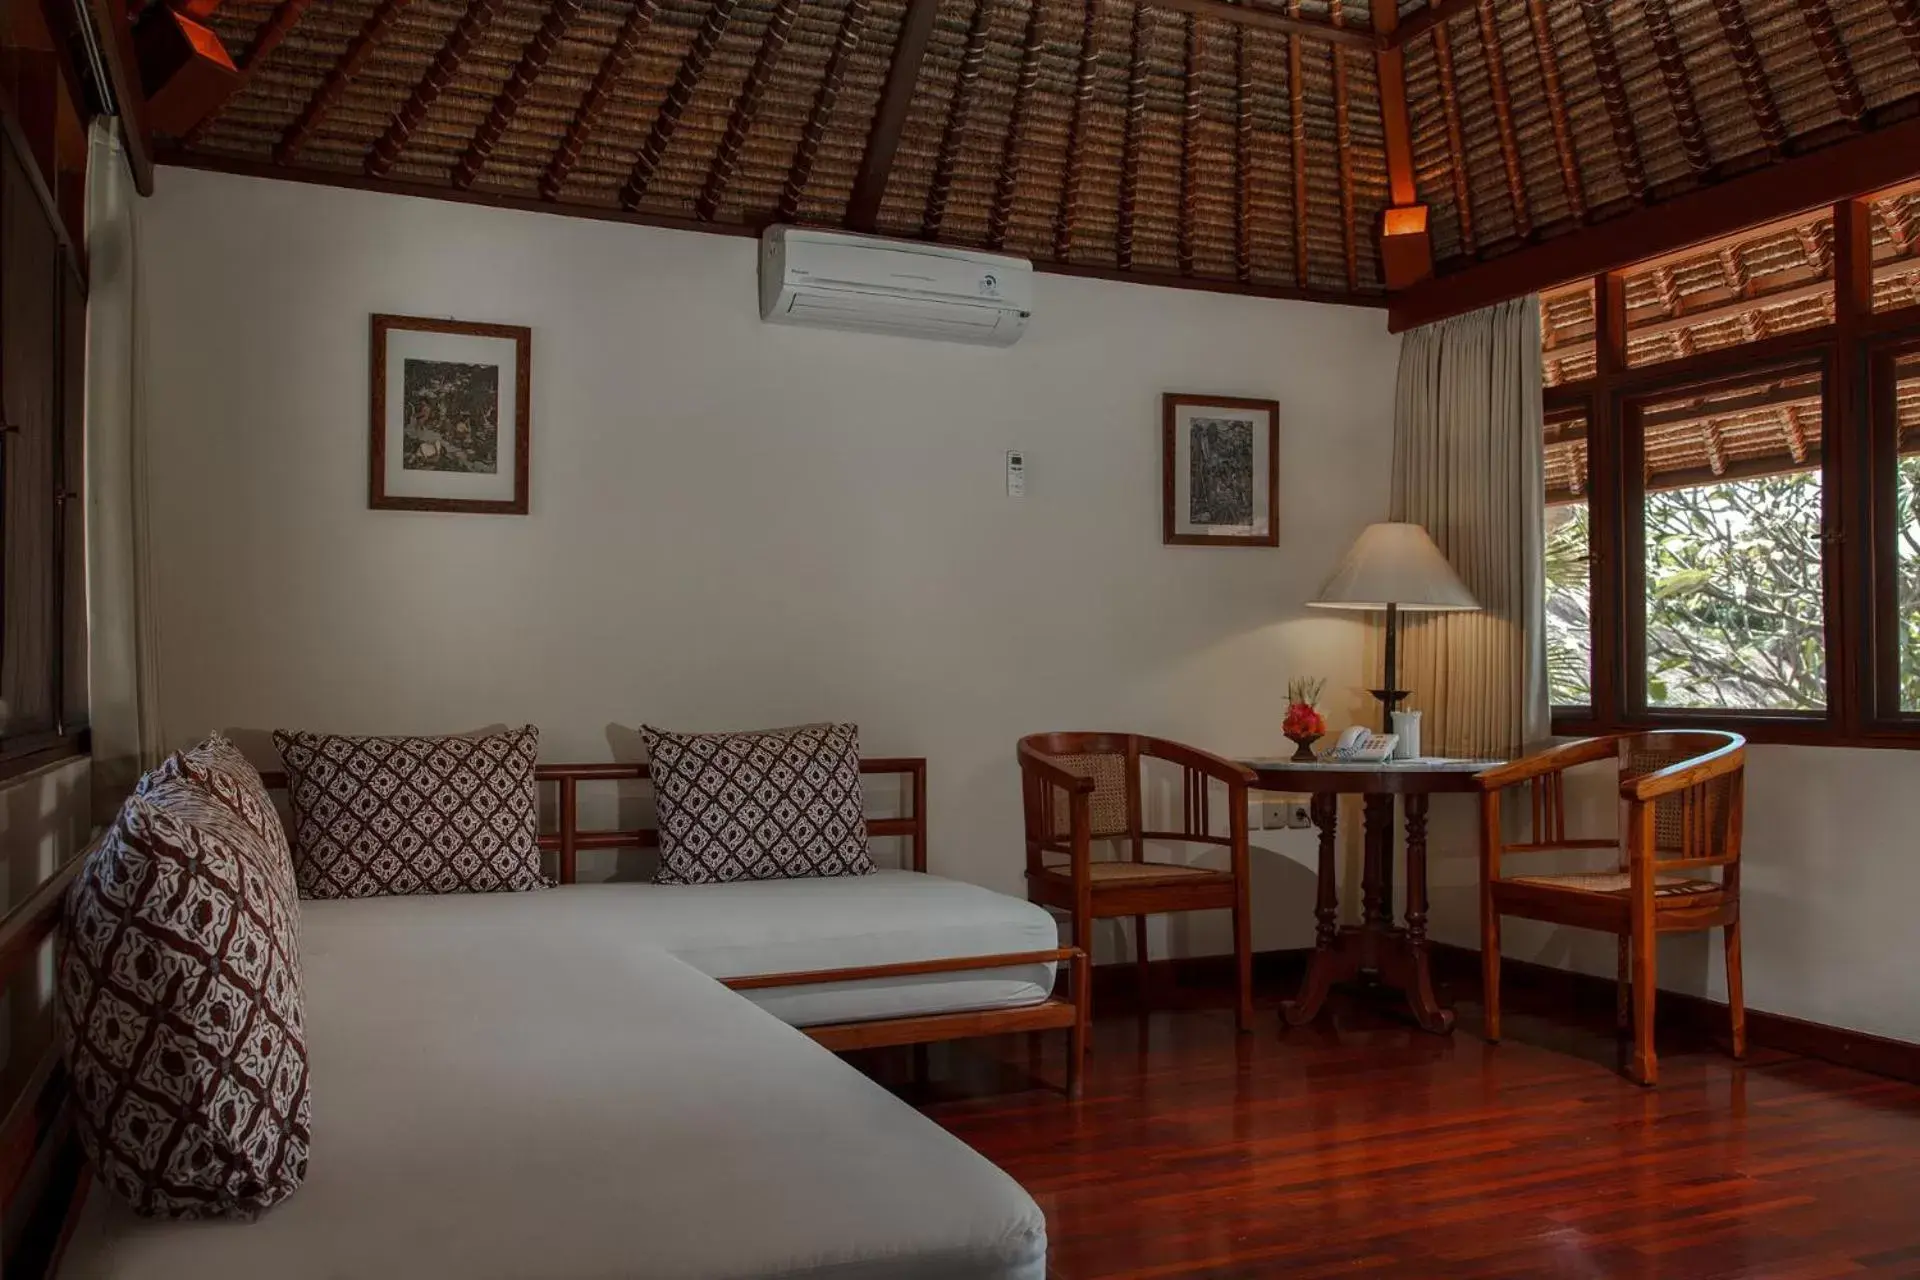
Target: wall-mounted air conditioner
837, 281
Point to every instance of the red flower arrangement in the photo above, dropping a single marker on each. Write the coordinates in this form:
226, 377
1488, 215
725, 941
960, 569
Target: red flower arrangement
1303, 723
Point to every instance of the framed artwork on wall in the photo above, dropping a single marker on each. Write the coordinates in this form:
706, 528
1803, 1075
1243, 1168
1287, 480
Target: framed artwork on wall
451, 423
1220, 468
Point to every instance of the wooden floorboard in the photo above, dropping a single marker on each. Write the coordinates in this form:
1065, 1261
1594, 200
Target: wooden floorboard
1362, 1146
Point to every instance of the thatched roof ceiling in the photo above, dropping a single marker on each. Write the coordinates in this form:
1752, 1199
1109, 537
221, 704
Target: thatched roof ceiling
1173, 138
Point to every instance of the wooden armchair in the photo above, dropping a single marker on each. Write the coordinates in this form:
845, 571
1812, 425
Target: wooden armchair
1083, 787
1680, 811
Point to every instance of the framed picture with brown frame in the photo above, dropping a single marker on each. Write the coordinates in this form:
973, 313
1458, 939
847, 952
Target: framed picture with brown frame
1220, 465
451, 426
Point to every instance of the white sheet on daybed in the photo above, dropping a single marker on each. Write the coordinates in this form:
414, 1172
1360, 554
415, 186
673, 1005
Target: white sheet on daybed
507, 1088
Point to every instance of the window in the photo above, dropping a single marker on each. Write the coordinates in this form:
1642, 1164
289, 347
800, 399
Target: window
1732, 611
1732, 474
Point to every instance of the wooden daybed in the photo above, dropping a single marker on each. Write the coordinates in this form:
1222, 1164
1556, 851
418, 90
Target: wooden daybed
537, 1085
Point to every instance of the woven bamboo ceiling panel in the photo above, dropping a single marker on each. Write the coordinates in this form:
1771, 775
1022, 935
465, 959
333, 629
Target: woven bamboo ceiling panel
1103, 134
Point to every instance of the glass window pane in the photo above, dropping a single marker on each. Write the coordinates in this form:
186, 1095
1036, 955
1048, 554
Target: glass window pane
1734, 598
1566, 335
1896, 249
1569, 563
1906, 529
1760, 284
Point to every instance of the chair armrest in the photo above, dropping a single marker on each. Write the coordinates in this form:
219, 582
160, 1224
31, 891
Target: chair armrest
1586, 751
1722, 760
1047, 771
1228, 771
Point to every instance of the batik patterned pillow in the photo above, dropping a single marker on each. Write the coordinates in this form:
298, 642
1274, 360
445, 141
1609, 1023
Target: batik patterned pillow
781, 804
379, 816
220, 774
180, 1011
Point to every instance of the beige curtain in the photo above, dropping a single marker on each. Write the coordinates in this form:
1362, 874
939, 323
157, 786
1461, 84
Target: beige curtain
125, 718
1467, 459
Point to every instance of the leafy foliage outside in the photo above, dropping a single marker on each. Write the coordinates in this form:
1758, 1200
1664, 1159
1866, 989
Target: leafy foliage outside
1734, 595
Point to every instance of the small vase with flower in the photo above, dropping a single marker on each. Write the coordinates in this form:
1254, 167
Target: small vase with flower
1304, 725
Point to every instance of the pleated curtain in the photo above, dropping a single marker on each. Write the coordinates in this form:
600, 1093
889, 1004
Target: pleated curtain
1467, 464
123, 704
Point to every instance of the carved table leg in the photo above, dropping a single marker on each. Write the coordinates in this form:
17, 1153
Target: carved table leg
1321, 969
1381, 826
1426, 1010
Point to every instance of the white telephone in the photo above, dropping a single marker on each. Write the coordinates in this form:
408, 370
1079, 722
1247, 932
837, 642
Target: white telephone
1361, 745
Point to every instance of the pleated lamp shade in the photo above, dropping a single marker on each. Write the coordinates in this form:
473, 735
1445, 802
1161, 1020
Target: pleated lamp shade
1395, 564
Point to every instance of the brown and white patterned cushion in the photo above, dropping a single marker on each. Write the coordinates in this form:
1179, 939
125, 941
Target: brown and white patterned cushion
221, 775
781, 804
181, 1011
377, 816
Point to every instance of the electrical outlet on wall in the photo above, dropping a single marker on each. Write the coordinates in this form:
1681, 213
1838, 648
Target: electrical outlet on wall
1298, 814
1273, 814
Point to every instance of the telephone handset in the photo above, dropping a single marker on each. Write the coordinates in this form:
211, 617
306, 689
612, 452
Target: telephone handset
1361, 745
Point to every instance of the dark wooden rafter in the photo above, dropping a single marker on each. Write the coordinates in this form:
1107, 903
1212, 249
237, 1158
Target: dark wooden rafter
593, 103
890, 117
1000, 216
1557, 109
1456, 135
1130, 141
1673, 74
972, 57
1613, 94
1753, 74
472, 25
1189, 150
1243, 196
1297, 145
1343, 146
1396, 123
1832, 48
342, 74
679, 94
1063, 224
1906, 16
814, 132
268, 38
1251, 13
746, 106
506, 104
1434, 17
1503, 117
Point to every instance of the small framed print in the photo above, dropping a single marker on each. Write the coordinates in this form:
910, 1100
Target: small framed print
451, 427
1221, 471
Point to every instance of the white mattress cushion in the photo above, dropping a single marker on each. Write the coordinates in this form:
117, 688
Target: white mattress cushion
508, 1087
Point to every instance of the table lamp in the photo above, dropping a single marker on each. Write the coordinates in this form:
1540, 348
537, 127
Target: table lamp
1394, 566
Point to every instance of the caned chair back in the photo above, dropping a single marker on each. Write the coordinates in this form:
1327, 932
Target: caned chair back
1110, 760
1699, 822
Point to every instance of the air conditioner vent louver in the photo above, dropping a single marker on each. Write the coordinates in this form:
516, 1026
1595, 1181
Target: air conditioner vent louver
831, 280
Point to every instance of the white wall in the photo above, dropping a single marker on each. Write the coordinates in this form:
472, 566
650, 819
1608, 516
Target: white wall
734, 524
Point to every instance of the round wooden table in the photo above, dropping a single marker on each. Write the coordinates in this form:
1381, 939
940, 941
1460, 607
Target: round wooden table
1397, 955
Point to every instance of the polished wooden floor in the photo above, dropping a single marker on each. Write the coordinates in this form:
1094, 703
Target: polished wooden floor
1360, 1146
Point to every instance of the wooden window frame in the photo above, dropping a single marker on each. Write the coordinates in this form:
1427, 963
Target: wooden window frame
1854, 355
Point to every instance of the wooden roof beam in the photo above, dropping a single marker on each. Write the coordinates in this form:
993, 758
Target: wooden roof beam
1613, 94
338, 78
1189, 143
745, 107
890, 117
958, 110
1906, 16
1773, 395
1395, 123
1456, 138
1434, 18
268, 38
1673, 74
820, 115
472, 25
1503, 117
110, 23
1000, 216
1827, 42
1130, 141
1753, 74
593, 103
1557, 109
1343, 144
1853, 167
1250, 14
667, 120
506, 104
1242, 158
1069, 211
1297, 130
